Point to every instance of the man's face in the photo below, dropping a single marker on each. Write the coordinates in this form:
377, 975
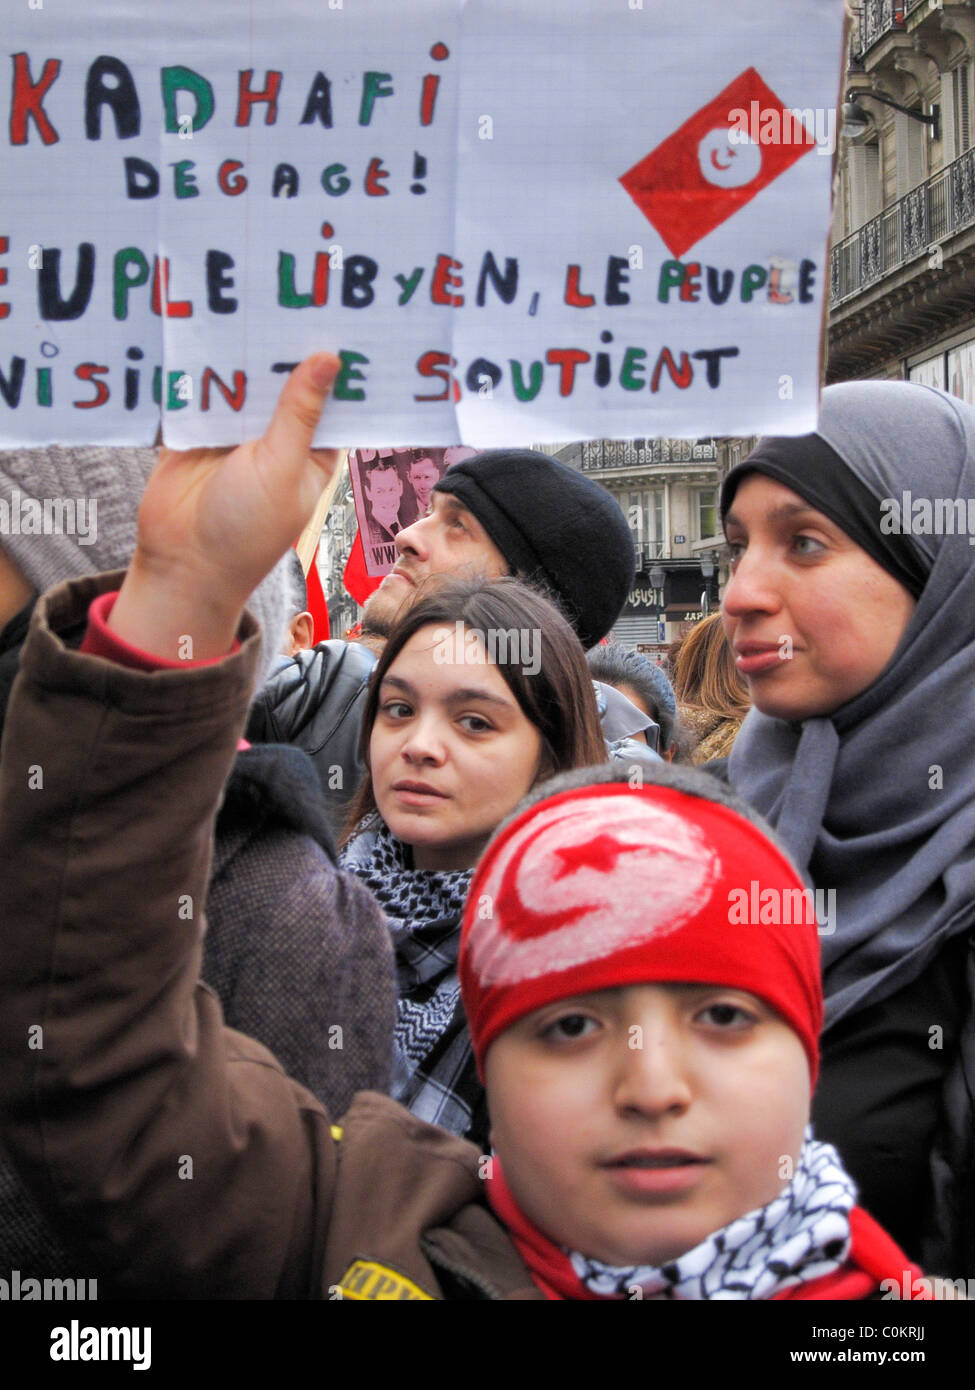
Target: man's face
450, 540
423, 476
384, 488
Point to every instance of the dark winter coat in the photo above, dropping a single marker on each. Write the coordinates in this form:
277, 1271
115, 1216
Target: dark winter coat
316, 702
298, 951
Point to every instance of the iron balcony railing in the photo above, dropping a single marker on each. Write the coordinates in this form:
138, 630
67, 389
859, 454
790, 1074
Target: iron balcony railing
914, 226
604, 454
875, 18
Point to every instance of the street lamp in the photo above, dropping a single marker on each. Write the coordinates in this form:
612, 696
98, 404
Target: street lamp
707, 571
658, 577
856, 120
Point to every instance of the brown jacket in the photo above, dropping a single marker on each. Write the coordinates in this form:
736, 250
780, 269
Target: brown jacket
176, 1149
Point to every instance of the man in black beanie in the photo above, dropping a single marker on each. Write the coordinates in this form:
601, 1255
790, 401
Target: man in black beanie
514, 511
504, 511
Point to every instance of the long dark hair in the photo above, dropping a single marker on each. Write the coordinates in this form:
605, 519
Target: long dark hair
559, 700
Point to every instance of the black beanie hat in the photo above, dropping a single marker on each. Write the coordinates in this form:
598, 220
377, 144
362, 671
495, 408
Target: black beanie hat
554, 527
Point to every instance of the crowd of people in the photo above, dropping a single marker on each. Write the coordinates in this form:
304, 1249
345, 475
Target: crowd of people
453, 979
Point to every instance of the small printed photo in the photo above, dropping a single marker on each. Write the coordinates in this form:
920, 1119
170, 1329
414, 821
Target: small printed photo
392, 489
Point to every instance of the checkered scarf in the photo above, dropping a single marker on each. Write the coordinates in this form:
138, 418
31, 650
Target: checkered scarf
434, 1073
801, 1235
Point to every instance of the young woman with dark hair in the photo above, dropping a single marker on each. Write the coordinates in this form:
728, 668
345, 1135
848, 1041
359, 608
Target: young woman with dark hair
481, 692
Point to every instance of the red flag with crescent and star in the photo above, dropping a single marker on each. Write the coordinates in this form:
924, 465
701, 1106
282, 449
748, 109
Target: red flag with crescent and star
711, 166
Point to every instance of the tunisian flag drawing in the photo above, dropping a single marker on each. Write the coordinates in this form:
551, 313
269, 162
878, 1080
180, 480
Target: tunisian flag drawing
709, 168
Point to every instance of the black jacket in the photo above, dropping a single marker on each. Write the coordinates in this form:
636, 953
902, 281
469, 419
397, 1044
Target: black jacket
315, 702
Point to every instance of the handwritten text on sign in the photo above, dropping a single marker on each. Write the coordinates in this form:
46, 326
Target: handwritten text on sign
560, 223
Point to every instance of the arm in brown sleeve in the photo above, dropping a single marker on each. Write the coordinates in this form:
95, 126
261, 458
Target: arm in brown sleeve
177, 1149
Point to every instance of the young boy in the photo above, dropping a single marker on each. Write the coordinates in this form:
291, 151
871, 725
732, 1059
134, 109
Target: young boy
648, 1062
650, 1058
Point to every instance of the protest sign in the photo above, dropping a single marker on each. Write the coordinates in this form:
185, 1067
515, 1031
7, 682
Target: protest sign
392, 489
555, 221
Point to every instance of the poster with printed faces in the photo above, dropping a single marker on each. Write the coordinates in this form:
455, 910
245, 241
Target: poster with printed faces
392, 489
557, 221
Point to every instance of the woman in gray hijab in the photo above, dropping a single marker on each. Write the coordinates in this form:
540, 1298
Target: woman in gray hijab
851, 612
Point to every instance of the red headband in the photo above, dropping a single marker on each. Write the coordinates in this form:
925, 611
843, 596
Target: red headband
610, 885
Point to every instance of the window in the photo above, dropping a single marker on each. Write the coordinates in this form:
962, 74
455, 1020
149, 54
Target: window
961, 371
656, 516
911, 140
863, 175
644, 512
631, 505
961, 81
930, 372
706, 498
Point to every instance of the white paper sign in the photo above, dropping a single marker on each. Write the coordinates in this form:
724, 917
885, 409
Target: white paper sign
564, 220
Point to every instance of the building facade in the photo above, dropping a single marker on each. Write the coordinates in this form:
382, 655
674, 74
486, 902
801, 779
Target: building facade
667, 490
902, 265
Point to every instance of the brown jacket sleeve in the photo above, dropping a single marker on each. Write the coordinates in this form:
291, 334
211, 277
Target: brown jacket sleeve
176, 1149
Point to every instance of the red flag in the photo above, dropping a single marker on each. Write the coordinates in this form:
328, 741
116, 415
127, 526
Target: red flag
317, 606
716, 161
357, 583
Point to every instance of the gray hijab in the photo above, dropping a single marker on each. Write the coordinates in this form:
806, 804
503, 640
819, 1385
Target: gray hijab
856, 795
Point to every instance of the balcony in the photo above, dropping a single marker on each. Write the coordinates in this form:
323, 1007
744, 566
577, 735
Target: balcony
926, 216
877, 18
604, 455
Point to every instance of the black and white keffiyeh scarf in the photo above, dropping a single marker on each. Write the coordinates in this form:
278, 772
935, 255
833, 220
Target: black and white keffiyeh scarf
801, 1235
434, 1073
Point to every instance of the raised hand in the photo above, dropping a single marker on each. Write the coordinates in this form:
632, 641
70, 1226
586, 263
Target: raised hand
213, 522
